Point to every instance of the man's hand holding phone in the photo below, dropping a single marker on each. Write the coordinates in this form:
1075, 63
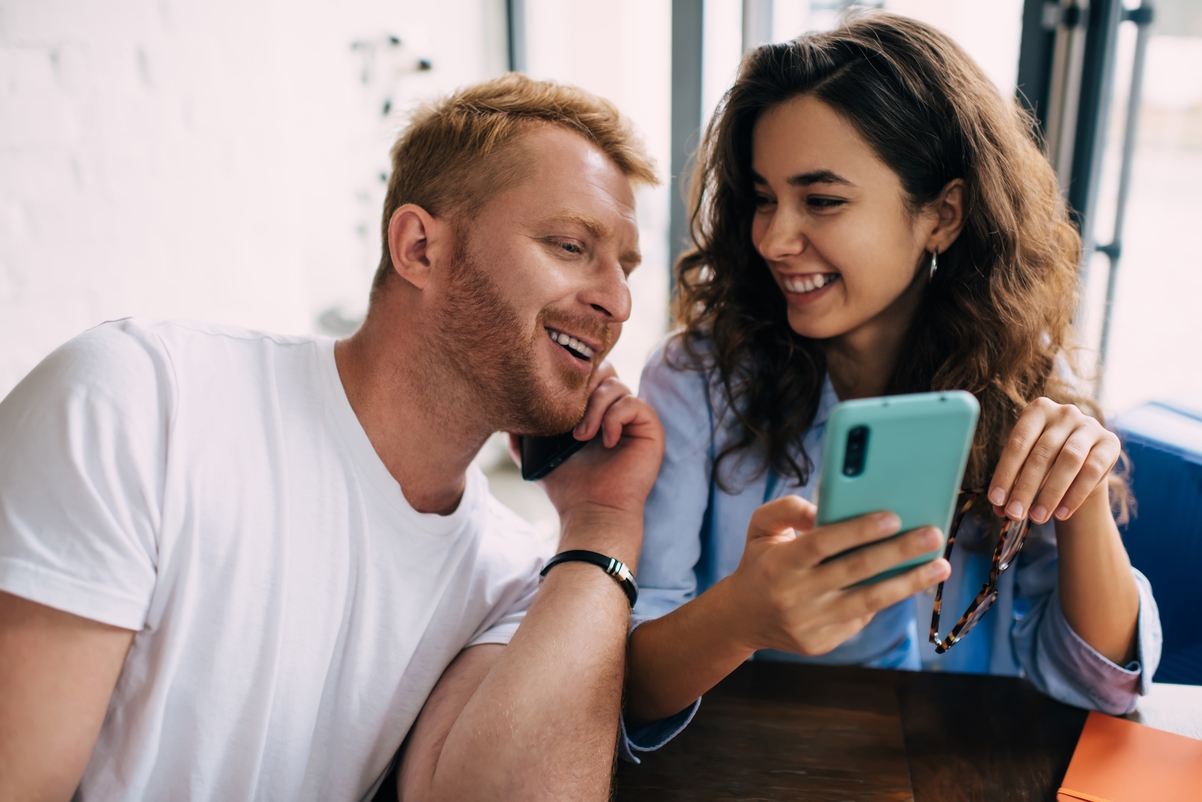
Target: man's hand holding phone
600, 491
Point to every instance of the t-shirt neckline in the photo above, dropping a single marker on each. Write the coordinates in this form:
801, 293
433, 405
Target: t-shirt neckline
372, 469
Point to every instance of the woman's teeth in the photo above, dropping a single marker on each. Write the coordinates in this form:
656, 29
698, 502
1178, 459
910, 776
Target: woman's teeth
809, 283
578, 348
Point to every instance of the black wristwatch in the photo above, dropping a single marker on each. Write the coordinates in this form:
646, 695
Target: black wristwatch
615, 568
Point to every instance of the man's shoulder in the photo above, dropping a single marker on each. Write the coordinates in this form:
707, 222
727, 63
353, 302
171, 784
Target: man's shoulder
196, 333
127, 338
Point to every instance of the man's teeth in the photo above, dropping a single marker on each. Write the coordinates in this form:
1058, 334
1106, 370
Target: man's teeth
809, 283
571, 342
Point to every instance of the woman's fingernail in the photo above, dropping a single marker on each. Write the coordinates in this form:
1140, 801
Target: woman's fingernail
1039, 514
930, 538
889, 522
1015, 510
997, 496
1061, 513
935, 569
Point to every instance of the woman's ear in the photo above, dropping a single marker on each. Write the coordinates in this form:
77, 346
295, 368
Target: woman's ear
413, 241
949, 209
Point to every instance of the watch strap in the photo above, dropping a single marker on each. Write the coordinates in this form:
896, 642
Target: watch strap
610, 565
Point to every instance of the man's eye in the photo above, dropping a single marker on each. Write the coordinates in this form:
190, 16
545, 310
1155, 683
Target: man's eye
570, 247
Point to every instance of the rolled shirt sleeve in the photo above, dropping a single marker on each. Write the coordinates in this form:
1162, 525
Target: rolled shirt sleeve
676, 508
673, 518
1062, 665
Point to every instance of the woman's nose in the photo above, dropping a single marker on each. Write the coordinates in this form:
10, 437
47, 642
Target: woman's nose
782, 238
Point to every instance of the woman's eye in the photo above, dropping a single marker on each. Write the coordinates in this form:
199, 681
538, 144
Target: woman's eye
763, 200
824, 203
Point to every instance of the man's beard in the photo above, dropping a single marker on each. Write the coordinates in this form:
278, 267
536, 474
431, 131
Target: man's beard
481, 339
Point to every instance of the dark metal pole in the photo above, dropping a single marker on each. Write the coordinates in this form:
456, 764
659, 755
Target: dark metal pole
515, 14
757, 23
1093, 116
686, 115
1035, 60
1142, 17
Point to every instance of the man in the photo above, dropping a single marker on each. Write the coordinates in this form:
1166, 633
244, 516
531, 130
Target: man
235, 565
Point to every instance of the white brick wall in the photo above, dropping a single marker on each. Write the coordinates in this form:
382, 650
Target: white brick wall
212, 159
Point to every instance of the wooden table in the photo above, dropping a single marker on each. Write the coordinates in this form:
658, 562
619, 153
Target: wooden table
779, 731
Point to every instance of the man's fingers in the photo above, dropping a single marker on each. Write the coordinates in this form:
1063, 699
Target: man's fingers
867, 562
780, 517
630, 417
603, 396
604, 371
869, 599
1022, 439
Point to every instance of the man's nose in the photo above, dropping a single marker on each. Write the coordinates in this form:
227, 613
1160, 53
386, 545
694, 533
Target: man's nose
609, 293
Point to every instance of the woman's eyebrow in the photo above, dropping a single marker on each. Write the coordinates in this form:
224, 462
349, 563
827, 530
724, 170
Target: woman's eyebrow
806, 179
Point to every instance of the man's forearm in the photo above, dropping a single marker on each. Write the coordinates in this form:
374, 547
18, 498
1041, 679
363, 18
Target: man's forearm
542, 724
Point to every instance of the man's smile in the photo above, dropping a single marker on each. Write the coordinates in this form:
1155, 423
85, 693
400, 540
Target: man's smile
572, 345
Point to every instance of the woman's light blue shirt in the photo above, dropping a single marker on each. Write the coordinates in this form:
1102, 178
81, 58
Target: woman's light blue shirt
694, 532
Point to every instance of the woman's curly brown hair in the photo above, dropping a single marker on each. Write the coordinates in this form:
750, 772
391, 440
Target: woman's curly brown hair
996, 319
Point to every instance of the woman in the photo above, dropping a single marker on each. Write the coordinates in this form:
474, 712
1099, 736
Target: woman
872, 218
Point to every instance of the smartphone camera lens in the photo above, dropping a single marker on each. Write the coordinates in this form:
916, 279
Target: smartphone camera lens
857, 446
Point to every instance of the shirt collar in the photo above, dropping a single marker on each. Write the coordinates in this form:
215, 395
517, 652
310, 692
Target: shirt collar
826, 402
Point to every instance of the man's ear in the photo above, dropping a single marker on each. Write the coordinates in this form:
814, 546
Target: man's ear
416, 242
949, 210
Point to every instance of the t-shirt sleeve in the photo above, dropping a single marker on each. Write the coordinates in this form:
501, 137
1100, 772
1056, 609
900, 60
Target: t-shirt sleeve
82, 460
516, 556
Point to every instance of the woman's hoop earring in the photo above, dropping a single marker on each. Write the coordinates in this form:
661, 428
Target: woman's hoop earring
934, 265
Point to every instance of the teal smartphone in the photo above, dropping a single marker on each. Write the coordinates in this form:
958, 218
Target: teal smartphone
902, 453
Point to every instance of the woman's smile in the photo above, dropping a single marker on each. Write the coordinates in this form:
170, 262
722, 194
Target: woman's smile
802, 289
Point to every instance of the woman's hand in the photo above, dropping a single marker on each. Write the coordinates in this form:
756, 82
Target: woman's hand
1056, 458
786, 594
790, 595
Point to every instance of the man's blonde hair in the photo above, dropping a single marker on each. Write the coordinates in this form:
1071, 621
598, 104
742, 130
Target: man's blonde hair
457, 153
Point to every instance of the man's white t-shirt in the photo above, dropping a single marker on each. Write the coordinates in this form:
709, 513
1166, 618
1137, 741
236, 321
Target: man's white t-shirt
211, 489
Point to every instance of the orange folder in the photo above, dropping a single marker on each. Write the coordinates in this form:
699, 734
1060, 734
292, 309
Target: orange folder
1120, 761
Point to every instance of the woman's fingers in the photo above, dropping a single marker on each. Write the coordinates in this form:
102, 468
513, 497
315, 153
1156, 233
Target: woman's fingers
1056, 457
1064, 470
868, 561
849, 611
1101, 460
780, 518
870, 599
827, 541
1035, 470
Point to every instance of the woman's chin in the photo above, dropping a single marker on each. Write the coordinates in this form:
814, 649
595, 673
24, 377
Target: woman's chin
815, 327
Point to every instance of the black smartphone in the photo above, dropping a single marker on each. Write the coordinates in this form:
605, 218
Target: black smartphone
541, 455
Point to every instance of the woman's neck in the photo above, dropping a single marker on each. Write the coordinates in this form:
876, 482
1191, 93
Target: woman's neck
861, 362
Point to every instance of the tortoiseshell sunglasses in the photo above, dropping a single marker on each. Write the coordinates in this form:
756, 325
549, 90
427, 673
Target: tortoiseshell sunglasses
1009, 543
